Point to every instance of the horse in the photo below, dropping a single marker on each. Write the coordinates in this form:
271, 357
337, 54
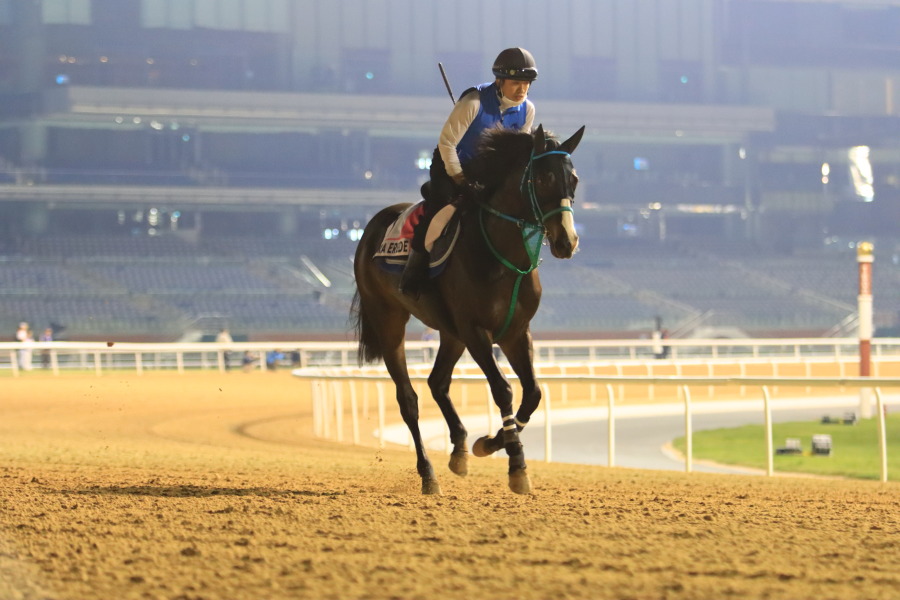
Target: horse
487, 293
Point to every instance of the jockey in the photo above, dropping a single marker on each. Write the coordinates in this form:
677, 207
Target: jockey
501, 103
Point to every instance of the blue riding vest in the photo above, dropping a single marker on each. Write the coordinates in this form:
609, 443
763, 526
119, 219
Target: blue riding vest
488, 116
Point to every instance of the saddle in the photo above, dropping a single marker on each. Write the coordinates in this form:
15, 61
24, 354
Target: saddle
440, 238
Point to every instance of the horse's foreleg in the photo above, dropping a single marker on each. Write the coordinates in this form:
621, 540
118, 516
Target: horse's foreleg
520, 355
439, 383
508, 436
487, 445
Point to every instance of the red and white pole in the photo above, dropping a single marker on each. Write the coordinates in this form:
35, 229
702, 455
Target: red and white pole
865, 258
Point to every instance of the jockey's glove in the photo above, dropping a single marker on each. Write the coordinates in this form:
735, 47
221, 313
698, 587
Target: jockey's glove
466, 192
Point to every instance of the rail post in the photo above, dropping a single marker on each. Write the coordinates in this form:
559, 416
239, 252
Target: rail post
317, 409
54, 361
688, 431
767, 408
882, 435
337, 395
611, 426
380, 388
865, 258
548, 425
14, 362
354, 412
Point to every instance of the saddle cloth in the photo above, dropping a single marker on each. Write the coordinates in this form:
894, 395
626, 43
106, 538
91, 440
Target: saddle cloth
439, 239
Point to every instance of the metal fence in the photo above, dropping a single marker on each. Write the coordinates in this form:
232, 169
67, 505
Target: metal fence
100, 356
329, 389
599, 366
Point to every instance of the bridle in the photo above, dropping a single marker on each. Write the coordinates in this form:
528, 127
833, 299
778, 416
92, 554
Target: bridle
532, 231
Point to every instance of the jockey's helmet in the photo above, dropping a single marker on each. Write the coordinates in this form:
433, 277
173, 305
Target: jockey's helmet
515, 63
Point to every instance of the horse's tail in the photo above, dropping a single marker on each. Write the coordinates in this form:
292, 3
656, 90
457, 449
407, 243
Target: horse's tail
368, 350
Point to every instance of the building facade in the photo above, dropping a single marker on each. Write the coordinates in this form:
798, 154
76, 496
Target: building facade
773, 120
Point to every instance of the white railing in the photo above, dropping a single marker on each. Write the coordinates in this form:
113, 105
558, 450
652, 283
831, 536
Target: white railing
319, 362
98, 356
329, 411
710, 348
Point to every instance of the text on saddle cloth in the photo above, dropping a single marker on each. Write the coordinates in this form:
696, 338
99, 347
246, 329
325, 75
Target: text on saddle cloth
395, 246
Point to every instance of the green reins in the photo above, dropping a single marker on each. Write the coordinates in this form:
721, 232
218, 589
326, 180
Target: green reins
532, 232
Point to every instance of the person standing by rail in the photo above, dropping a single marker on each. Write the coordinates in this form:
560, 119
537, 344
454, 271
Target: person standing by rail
224, 337
26, 336
47, 336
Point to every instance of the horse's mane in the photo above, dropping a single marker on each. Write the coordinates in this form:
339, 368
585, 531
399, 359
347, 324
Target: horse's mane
501, 151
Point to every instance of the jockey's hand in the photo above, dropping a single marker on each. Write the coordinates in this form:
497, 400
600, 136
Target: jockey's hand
459, 179
466, 192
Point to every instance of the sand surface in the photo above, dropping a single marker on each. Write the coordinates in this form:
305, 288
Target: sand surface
202, 486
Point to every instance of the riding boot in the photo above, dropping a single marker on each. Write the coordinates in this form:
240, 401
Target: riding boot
414, 273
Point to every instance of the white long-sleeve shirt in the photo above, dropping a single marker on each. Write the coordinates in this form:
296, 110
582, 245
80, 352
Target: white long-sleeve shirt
461, 117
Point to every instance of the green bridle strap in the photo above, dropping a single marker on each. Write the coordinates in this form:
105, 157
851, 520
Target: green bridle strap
527, 187
532, 233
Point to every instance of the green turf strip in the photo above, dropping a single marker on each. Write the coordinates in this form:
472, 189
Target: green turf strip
854, 452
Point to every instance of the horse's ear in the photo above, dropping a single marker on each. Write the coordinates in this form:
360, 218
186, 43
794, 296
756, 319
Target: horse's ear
570, 144
540, 142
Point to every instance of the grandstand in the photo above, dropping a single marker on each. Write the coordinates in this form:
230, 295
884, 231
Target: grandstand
164, 287
165, 170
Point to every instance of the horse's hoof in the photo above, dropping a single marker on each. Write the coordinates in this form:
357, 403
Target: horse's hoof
481, 448
520, 482
431, 487
459, 462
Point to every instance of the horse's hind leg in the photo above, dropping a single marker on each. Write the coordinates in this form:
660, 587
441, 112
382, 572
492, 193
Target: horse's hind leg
439, 382
392, 335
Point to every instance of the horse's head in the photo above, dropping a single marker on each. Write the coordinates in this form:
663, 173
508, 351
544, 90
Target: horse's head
549, 183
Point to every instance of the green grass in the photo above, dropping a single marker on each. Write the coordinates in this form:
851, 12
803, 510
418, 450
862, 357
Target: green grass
854, 448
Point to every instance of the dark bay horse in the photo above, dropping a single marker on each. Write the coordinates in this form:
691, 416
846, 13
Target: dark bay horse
488, 292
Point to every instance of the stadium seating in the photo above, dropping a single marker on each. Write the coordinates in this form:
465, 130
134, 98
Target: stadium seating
107, 285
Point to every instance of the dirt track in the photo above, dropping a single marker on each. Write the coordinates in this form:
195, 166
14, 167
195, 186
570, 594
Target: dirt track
211, 486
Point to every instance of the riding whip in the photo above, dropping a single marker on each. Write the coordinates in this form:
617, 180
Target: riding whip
446, 83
